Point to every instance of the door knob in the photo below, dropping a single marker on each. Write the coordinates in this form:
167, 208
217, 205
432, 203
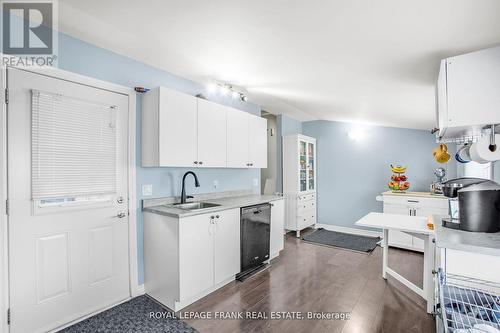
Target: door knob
121, 215
119, 200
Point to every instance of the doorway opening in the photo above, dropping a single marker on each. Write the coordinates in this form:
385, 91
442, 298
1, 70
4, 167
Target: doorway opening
269, 175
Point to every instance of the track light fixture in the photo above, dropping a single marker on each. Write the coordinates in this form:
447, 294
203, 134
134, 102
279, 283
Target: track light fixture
226, 90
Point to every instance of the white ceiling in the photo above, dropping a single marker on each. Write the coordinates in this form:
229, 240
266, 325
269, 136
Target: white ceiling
349, 60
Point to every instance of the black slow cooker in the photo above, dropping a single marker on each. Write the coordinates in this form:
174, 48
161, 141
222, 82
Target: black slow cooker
480, 207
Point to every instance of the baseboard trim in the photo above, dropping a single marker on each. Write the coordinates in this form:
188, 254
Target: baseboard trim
348, 230
141, 290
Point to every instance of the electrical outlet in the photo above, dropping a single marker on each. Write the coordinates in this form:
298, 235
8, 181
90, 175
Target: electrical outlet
216, 183
147, 189
255, 182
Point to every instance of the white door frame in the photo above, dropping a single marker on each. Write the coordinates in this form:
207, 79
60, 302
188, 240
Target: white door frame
132, 204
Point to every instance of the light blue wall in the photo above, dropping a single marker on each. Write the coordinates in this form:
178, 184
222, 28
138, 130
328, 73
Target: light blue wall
83, 58
285, 126
290, 125
352, 173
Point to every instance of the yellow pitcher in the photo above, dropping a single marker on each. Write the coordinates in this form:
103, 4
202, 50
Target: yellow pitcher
441, 154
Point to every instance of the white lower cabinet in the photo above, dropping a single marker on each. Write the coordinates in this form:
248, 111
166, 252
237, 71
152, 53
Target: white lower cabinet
196, 255
473, 265
300, 211
227, 245
412, 204
277, 227
187, 258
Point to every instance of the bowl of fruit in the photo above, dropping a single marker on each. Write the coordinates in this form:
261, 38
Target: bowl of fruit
398, 181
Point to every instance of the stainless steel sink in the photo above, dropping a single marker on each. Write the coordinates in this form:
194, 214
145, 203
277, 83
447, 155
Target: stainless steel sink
194, 205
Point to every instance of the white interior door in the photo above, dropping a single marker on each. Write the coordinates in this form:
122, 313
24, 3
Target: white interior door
68, 249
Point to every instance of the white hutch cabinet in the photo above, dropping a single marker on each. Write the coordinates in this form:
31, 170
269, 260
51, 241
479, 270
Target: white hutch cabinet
299, 181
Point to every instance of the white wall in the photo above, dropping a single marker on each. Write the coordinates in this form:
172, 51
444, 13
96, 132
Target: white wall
3, 218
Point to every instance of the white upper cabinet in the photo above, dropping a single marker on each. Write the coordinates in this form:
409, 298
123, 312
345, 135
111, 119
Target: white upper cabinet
257, 150
467, 93
211, 134
180, 130
169, 128
246, 140
237, 139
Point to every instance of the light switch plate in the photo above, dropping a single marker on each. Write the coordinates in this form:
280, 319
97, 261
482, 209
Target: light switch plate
255, 182
147, 189
216, 183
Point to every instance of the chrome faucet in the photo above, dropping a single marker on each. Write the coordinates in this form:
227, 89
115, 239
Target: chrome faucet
183, 192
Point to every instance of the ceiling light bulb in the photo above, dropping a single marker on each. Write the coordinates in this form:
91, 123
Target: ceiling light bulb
224, 90
235, 94
244, 98
356, 134
211, 87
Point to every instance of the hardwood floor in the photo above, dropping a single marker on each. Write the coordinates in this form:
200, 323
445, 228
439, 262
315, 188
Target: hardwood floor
307, 277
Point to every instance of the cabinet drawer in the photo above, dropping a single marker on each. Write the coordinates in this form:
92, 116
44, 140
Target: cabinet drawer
306, 197
437, 202
306, 218
305, 206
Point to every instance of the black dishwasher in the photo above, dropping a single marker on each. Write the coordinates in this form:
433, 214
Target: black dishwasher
255, 238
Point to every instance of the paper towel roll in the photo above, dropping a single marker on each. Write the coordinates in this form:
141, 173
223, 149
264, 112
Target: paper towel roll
480, 151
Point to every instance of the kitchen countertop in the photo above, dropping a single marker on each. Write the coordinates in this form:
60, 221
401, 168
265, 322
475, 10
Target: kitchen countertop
227, 202
477, 242
416, 194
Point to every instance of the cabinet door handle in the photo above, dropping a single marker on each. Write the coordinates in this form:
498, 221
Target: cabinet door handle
415, 201
217, 216
195, 162
121, 214
201, 162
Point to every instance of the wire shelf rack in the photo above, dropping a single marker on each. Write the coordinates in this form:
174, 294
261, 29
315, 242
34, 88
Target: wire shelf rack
469, 304
462, 140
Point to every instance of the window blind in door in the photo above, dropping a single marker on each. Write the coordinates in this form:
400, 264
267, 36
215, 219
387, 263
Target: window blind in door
73, 147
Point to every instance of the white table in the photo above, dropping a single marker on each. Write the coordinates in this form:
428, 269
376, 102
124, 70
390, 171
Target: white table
417, 227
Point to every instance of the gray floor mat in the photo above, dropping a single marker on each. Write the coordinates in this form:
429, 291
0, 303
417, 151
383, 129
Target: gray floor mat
346, 241
131, 316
